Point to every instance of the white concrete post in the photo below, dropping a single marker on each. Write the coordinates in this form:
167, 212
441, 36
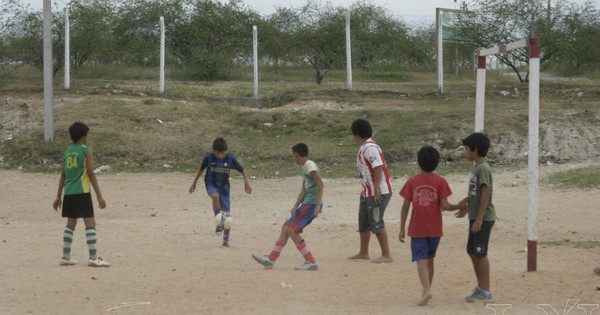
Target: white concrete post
480, 94
161, 81
48, 73
533, 154
67, 66
440, 51
348, 53
255, 58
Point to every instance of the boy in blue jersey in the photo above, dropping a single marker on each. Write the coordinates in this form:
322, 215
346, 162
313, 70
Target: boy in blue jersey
75, 178
218, 165
305, 209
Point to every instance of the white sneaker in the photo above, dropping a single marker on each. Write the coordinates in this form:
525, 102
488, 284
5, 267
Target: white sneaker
68, 262
307, 265
98, 262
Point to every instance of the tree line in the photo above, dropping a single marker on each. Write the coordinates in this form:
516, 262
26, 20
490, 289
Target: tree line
210, 37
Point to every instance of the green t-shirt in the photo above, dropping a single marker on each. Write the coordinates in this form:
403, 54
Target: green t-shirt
309, 183
481, 175
76, 176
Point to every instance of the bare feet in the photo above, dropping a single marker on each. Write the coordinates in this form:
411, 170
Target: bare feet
382, 259
360, 256
425, 298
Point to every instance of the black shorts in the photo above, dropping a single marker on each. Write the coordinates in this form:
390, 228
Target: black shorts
78, 206
370, 214
477, 244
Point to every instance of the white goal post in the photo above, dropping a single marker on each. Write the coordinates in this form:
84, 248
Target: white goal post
533, 135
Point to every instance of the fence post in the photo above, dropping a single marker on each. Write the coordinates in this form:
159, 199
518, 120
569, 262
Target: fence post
255, 58
348, 53
67, 51
161, 83
48, 74
440, 50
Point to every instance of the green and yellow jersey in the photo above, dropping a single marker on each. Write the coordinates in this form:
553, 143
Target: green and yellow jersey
76, 176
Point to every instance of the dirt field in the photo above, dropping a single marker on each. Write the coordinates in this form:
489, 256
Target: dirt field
164, 256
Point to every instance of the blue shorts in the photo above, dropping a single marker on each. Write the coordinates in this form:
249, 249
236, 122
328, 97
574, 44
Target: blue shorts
223, 200
301, 217
424, 248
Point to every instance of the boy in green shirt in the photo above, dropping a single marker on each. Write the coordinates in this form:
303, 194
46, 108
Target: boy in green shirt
76, 177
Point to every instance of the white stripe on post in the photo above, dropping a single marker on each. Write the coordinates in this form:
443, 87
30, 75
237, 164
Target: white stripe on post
533, 161
480, 94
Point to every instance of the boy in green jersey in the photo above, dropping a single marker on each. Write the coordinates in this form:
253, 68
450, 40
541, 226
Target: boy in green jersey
75, 179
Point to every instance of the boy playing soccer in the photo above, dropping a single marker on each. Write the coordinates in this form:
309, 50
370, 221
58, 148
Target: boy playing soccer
482, 214
305, 209
376, 191
218, 165
427, 192
76, 177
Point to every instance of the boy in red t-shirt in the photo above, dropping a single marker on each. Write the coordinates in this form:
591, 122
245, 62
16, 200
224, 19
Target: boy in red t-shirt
428, 193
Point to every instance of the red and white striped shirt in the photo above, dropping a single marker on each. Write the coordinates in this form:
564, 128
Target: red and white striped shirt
369, 157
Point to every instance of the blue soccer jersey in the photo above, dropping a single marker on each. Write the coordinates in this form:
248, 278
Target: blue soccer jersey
217, 171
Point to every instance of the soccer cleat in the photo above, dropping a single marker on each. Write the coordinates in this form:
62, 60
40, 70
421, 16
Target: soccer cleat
263, 260
67, 262
479, 296
225, 243
307, 265
98, 262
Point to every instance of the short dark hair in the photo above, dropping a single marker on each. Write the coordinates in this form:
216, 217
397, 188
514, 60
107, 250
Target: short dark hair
220, 145
428, 158
362, 128
301, 149
78, 130
477, 141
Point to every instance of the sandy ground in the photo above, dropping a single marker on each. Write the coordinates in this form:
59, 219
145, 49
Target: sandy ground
164, 256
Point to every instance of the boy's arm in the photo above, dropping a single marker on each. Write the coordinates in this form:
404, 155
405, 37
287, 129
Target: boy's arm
485, 200
445, 205
403, 217
89, 165
320, 187
299, 199
247, 186
377, 175
61, 183
193, 186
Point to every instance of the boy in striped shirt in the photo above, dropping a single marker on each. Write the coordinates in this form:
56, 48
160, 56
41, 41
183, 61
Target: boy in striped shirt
376, 191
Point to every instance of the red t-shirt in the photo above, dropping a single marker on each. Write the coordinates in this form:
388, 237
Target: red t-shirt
425, 191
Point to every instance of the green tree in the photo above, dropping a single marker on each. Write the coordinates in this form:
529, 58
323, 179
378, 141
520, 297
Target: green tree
496, 22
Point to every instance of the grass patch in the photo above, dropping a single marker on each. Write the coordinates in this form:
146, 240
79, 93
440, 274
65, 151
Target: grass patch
586, 177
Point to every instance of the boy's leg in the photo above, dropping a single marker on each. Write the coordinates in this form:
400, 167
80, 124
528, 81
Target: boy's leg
279, 244
378, 227
302, 247
481, 265
90, 236
363, 229
431, 270
68, 241
425, 275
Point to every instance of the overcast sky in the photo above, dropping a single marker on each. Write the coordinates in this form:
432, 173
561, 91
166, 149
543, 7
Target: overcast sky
411, 11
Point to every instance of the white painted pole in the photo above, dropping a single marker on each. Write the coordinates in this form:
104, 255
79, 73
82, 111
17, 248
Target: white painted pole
67, 51
533, 154
48, 74
480, 94
348, 53
161, 81
255, 58
440, 51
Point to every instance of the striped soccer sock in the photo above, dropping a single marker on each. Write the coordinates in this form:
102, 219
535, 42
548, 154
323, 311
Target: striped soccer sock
216, 210
279, 245
90, 236
67, 241
305, 251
